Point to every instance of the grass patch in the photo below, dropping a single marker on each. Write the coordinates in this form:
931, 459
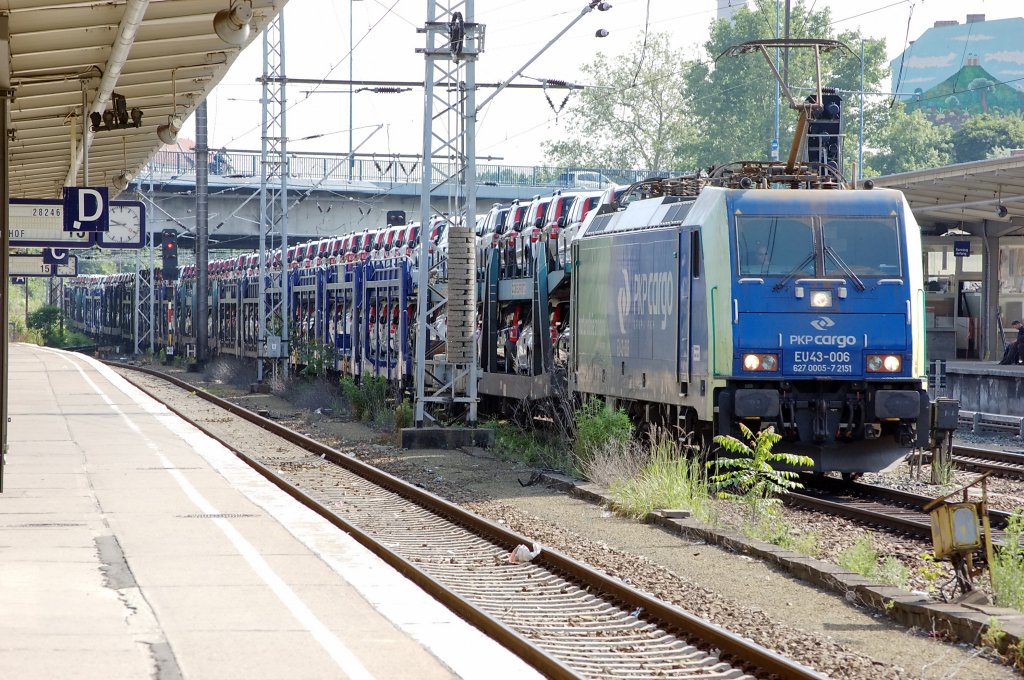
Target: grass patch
534, 447
771, 526
893, 572
806, 543
615, 462
668, 479
369, 401
598, 426
222, 391
863, 558
403, 415
1008, 566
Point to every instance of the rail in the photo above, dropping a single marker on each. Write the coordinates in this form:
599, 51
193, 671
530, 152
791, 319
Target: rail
1002, 463
898, 511
561, 659
245, 165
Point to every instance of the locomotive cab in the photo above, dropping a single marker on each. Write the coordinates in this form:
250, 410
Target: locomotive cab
826, 324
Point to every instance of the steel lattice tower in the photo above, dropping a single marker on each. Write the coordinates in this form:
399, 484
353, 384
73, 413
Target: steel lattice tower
453, 42
143, 331
273, 318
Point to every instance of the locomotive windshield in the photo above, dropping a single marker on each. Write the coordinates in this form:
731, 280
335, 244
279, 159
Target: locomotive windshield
867, 246
775, 245
829, 246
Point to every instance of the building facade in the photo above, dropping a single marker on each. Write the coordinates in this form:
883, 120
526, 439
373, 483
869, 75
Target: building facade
955, 71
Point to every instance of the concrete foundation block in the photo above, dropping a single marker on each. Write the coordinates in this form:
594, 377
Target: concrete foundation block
446, 437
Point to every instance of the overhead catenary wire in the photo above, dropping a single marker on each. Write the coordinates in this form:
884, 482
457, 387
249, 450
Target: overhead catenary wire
643, 48
906, 40
347, 55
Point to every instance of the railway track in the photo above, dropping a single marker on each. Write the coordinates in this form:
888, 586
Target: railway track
562, 617
1003, 463
877, 506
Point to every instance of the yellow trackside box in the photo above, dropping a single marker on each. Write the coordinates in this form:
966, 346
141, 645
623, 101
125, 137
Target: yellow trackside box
955, 529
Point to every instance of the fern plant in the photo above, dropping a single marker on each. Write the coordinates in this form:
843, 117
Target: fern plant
752, 473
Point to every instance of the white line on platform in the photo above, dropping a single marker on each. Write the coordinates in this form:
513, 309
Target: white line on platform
334, 647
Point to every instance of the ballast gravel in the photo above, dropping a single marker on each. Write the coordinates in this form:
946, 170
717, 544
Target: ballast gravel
739, 593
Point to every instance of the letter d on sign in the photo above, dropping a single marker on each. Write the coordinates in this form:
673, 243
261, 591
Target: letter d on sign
86, 209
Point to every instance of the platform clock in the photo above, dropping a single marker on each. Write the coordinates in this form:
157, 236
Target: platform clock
127, 226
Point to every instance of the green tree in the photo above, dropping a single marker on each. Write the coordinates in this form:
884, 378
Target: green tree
47, 320
732, 99
633, 116
752, 474
981, 134
908, 141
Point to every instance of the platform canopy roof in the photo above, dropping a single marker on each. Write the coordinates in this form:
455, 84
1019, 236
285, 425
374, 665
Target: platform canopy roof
965, 197
162, 56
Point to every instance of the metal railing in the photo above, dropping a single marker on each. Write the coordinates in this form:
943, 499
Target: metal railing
992, 422
232, 164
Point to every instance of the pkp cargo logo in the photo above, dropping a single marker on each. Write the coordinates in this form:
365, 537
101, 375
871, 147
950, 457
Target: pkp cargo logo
623, 302
648, 296
822, 323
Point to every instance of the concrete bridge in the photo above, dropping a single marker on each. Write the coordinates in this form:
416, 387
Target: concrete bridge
325, 196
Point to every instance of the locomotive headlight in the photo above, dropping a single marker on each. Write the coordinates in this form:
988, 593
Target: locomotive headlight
760, 362
884, 363
821, 298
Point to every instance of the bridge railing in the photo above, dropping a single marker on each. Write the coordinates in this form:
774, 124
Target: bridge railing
231, 164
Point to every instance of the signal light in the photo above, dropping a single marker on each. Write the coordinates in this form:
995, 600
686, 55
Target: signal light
169, 254
824, 131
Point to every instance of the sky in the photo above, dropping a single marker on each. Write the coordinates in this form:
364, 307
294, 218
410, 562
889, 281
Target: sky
512, 127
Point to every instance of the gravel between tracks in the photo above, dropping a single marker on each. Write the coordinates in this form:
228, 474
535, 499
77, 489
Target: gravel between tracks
737, 592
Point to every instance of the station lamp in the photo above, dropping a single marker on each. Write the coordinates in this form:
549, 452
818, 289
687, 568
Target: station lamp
168, 133
232, 24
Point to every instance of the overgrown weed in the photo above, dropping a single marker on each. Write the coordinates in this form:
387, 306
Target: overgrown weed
771, 527
403, 415
597, 427
669, 479
1008, 566
863, 558
369, 400
533, 447
615, 462
751, 476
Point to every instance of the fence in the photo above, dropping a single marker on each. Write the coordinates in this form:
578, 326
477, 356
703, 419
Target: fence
391, 170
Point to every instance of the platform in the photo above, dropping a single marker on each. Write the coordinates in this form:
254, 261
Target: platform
985, 386
134, 546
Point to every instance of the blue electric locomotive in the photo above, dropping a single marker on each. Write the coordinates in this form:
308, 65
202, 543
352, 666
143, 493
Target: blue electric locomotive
800, 309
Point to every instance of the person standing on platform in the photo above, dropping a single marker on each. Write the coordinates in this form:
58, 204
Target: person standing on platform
1014, 352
